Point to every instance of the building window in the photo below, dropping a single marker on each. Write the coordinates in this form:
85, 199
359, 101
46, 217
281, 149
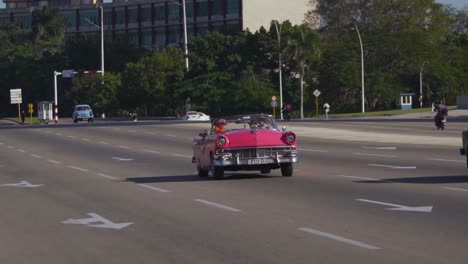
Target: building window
189, 10
108, 18
132, 15
232, 6
146, 39
146, 14
23, 21
173, 12
160, 13
202, 8
160, 38
86, 18
120, 17
70, 20
218, 7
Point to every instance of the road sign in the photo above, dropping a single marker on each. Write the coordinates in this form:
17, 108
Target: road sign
273, 104
316, 93
68, 73
273, 98
30, 106
15, 96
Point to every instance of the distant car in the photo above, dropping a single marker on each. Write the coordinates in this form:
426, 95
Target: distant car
83, 112
248, 142
196, 116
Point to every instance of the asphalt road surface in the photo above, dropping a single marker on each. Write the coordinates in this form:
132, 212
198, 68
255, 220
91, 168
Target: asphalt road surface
129, 193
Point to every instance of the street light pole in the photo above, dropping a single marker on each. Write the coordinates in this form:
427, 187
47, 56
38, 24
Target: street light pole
185, 33
362, 68
420, 85
278, 32
102, 37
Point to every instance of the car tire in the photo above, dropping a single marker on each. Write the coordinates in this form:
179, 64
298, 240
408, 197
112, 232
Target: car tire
201, 172
286, 169
265, 171
75, 120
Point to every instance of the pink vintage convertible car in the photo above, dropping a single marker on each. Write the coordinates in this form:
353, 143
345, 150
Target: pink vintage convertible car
249, 142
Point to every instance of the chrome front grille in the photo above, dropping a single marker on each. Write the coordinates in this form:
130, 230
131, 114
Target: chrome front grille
247, 153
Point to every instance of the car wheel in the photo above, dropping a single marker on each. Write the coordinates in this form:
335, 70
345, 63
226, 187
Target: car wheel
286, 169
75, 120
201, 172
265, 171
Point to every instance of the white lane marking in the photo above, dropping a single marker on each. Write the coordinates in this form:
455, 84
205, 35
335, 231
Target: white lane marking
78, 168
447, 160
170, 135
21, 150
54, 161
339, 238
394, 167
95, 218
59, 134
422, 209
375, 155
313, 150
150, 133
1, 143
183, 156
107, 176
102, 142
153, 188
121, 159
10, 147
152, 151
360, 178
85, 139
455, 189
124, 147
382, 148
36, 156
218, 205
71, 136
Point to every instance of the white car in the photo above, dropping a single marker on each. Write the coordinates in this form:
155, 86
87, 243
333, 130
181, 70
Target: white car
196, 116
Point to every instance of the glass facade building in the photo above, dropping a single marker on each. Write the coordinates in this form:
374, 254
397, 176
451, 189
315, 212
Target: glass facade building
149, 24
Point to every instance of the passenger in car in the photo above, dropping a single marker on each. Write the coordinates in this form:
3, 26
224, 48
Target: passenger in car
219, 126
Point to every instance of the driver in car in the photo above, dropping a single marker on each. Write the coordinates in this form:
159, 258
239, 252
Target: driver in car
219, 126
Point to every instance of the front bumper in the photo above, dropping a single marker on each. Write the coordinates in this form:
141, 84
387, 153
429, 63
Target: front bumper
235, 158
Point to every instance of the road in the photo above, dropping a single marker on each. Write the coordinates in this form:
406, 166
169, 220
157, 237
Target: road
129, 194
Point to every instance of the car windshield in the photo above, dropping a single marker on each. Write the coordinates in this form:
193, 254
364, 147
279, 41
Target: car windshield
82, 108
250, 122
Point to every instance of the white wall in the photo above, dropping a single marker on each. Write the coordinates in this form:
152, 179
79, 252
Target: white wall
257, 13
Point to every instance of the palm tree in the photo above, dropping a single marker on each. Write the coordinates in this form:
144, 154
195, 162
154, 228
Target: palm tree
303, 49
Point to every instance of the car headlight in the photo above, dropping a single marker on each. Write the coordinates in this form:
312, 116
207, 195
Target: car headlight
221, 141
291, 138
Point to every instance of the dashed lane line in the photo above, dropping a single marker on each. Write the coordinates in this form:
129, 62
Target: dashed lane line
339, 238
360, 178
374, 155
36, 156
228, 208
78, 168
21, 150
179, 155
124, 147
10, 147
446, 160
152, 151
103, 142
313, 150
107, 176
393, 167
54, 161
153, 188
455, 189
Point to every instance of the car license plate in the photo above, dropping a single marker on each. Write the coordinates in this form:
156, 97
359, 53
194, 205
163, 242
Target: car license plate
257, 161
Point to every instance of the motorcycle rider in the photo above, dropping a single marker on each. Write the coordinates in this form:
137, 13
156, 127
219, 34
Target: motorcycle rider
287, 109
439, 118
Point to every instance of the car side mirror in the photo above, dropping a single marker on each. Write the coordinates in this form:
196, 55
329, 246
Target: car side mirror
283, 128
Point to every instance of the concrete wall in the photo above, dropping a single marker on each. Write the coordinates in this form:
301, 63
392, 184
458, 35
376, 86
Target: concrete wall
462, 102
257, 13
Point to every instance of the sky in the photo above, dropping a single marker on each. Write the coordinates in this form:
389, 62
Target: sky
455, 3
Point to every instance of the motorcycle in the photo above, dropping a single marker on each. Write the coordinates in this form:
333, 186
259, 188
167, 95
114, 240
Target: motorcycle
287, 116
440, 121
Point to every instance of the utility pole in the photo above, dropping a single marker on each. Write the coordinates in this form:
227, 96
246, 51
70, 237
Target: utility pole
278, 32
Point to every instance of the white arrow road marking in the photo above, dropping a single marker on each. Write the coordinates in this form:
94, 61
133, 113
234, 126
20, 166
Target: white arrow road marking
338, 238
121, 159
394, 167
95, 218
375, 155
218, 205
381, 148
422, 209
22, 184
